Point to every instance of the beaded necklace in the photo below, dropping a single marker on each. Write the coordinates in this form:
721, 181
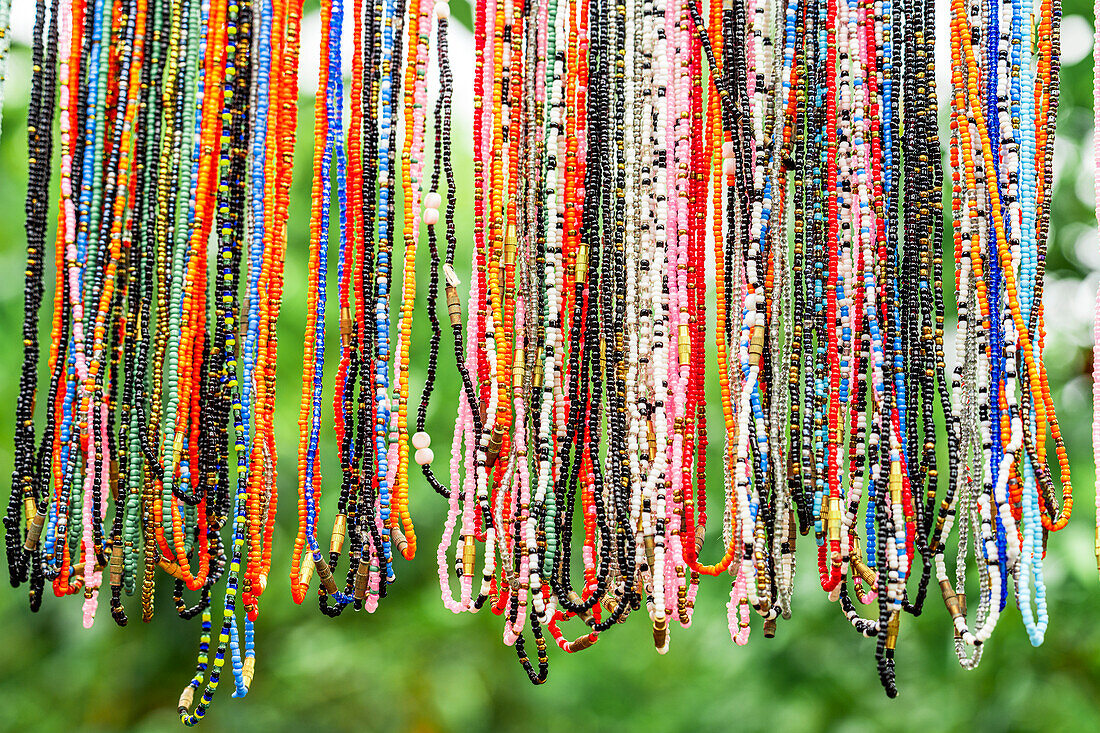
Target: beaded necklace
611, 145
23, 505
164, 96
372, 432
309, 419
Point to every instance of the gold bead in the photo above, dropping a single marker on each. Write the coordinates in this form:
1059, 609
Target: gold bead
893, 626
305, 571
469, 555
339, 533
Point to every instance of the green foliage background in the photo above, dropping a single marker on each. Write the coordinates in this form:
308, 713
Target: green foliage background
413, 666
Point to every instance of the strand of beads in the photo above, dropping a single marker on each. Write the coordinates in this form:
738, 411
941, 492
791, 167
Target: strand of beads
612, 144
326, 130
163, 109
23, 505
1016, 496
371, 424
826, 220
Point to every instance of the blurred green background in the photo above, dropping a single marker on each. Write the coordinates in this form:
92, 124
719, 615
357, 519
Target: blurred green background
413, 666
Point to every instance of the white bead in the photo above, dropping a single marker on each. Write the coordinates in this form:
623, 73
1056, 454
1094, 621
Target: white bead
433, 200
421, 440
442, 10
431, 217
424, 456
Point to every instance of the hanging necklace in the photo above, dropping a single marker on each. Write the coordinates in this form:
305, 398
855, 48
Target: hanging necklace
158, 119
